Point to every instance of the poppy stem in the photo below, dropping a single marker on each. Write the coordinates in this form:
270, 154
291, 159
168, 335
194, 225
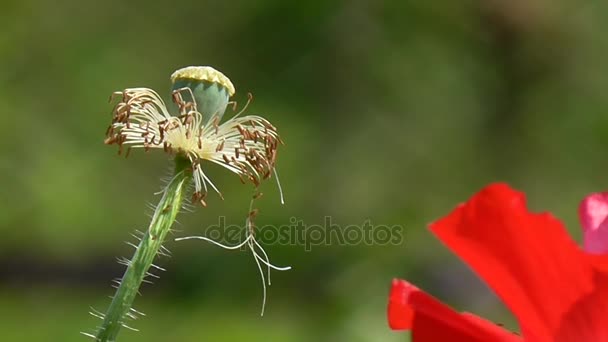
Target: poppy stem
151, 242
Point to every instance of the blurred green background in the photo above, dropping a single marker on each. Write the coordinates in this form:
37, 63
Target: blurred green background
392, 111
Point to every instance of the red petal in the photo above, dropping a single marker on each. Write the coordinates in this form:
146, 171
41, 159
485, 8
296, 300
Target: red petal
400, 314
586, 320
431, 321
527, 259
593, 212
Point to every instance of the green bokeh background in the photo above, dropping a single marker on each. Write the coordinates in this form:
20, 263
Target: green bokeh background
392, 111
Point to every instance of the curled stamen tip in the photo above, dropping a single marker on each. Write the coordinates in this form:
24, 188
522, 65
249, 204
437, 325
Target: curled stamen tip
203, 73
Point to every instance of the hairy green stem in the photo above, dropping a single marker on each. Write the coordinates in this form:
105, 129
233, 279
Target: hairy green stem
148, 248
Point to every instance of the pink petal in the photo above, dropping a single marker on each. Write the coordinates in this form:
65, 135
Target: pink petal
593, 212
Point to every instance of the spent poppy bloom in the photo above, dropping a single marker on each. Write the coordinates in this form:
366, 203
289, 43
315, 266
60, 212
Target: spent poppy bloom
245, 145
195, 138
556, 290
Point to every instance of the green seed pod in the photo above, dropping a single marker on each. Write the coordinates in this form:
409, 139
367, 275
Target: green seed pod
211, 89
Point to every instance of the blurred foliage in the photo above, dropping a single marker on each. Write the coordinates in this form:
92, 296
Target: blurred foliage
392, 111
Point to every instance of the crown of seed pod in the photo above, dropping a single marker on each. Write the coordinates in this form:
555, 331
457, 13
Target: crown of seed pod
246, 145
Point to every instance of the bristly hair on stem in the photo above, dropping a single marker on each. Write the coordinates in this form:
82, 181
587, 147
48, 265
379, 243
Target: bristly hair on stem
245, 145
120, 310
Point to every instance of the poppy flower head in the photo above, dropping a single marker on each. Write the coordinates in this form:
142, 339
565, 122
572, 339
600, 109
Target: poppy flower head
556, 291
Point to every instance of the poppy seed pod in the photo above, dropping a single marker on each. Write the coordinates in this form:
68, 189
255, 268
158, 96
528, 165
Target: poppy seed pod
211, 90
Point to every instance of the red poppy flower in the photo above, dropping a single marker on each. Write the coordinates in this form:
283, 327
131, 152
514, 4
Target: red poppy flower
557, 291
